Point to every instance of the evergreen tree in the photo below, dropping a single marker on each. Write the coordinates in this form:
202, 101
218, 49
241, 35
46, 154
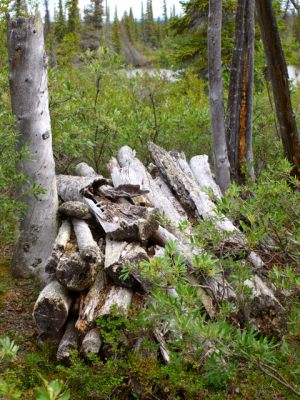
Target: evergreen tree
73, 16
47, 26
93, 14
116, 33
165, 11
60, 22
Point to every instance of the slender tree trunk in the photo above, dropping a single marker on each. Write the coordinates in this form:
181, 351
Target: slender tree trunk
222, 167
280, 82
29, 96
240, 96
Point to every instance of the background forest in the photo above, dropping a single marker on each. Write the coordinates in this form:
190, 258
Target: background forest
101, 98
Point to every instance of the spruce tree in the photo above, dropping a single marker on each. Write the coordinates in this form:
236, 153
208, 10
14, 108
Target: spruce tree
47, 26
116, 33
60, 22
165, 11
73, 16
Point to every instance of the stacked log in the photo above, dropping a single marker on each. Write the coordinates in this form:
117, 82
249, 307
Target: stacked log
108, 227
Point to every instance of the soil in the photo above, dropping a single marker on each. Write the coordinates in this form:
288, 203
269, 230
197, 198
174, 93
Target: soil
17, 298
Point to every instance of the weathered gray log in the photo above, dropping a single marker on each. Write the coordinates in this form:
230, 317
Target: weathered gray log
196, 202
75, 273
203, 175
59, 246
88, 248
70, 187
264, 310
91, 343
83, 169
169, 195
262, 305
68, 343
29, 98
165, 353
119, 299
122, 221
118, 256
119, 221
131, 170
51, 309
75, 209
180, 176
91, 303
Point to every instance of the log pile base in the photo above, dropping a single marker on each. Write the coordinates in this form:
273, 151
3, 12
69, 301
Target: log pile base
110, 227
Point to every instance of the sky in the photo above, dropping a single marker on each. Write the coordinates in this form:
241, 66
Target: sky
135, 4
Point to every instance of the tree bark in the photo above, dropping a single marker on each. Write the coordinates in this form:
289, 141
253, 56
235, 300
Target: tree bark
69, 342
75, 209
75, 273
91, 343
29, 97
88, 248
51, 309
202, 174
63, 237
280, 83
119, 221
222, 167
240, 96
118, 255
90, 304
130, 169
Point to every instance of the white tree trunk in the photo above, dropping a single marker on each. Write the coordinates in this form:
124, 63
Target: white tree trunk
29, 96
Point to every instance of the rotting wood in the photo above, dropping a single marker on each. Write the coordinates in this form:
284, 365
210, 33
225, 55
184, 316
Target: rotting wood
132, 170
203, 175
120, 255
75, 209
90, 303
51, 309
60, 244
83, 169
75, 273
118, 298
68, 343
119, 221
91, 343
88, 248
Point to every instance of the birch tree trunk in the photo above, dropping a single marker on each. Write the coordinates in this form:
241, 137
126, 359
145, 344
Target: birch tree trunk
280, 82
222, 167
29, 96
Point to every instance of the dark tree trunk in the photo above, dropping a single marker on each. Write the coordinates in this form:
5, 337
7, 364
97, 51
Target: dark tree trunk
222, 167
280, 82
240, 104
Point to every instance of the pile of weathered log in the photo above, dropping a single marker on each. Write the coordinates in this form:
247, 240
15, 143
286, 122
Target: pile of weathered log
107, 225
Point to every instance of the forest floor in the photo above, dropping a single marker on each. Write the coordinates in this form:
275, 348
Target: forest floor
17, 298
